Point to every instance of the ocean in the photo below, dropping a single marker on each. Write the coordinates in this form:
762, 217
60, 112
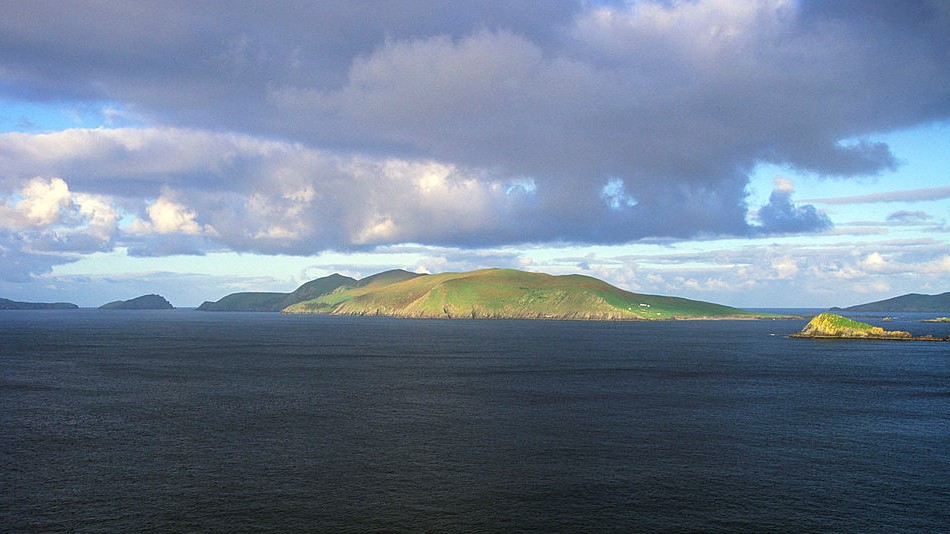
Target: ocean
175, 421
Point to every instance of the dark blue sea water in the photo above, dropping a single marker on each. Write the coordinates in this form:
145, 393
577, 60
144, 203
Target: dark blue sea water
192, 421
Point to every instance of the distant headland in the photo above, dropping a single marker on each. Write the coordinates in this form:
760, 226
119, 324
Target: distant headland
481, 294
912, 302
145, 302
6, 304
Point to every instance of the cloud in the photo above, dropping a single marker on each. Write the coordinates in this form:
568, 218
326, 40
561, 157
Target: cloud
251, 194
785, 267
255, 194
46, 216
616, 196
153, 246
472, 125
782, 216
44, 202
39, 203
42, 223
910, 217
168, 216
908, 195
19, 265
777, 275
635, 100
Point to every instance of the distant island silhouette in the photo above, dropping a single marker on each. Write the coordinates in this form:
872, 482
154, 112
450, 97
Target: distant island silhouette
7, 304
912, 302
145, 302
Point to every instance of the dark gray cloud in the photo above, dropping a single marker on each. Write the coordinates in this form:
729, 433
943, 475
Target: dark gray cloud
19, 264
211, 63
782, 216
347, 125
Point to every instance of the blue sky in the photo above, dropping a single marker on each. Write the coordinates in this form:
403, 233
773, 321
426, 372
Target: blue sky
766, 154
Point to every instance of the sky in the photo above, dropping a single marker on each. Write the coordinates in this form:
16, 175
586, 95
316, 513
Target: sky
772, 153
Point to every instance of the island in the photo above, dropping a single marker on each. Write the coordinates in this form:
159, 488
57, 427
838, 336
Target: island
274, 302
145, 302
505, 294
6, 304
937, 320
833, 326
912, 302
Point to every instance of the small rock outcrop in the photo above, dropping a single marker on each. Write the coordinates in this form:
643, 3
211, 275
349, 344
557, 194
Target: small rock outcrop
145, 302
833, 326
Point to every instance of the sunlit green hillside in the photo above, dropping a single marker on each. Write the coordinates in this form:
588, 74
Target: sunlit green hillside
833, 325
273, 302
505, 293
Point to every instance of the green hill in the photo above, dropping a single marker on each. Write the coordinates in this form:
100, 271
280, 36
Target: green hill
275, 302
830, 325
250, 301
387, 277
314, 289
913, 302
504, 294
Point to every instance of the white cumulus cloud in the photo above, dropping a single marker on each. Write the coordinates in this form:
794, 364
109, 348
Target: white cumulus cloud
168, 216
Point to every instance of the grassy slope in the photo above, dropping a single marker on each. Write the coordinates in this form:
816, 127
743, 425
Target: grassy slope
832, 325
314, 289
272, 302
386, 278
252, 301
506, 293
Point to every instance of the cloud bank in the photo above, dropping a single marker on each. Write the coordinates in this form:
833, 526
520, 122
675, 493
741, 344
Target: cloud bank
912, 195
348, 126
